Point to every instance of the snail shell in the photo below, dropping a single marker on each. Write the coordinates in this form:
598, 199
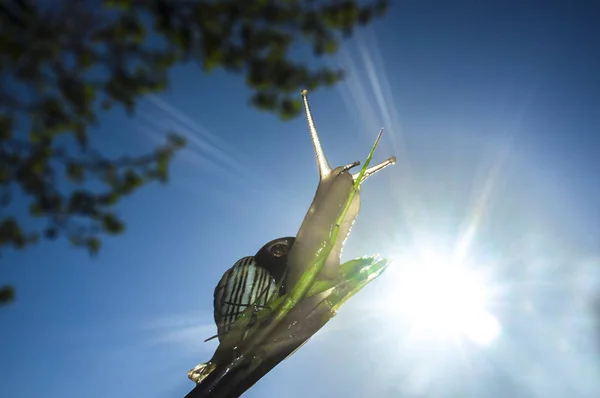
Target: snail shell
252, 281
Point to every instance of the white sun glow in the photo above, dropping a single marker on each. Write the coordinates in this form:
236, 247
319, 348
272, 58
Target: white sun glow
440, 297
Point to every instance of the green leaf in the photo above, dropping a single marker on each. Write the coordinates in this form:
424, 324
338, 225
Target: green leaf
177, 140
162, 166
265, 100
11, 232
290, 108
111, 224
131, 182
89, 94
118, 4
75, 172
109, 199
51, 233
106, 105
35, 209
86, 58
93, 245
7, 295
6, 127
5, 173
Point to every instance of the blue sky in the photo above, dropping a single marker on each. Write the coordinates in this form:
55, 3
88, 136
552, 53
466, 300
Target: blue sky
493, 112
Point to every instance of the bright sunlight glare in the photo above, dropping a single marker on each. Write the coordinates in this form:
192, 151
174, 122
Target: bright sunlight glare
441, 297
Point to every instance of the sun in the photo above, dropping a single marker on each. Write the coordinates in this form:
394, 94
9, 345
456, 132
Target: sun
440, 297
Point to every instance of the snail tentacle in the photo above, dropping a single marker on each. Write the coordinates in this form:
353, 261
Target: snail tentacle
322, 163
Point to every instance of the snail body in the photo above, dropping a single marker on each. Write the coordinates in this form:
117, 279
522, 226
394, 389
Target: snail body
335, 186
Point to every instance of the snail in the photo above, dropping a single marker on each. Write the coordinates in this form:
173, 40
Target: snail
251, 281
279, 264
278, 267
335, 186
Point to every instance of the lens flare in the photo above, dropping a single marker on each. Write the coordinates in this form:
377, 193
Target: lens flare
441, 298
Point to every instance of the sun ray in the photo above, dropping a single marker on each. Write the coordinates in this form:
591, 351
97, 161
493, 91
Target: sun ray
480, 207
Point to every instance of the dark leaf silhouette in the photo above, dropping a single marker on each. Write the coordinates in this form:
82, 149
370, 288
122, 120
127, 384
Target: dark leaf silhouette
7, 294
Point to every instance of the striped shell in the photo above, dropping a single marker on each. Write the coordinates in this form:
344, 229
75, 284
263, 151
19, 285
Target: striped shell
243, 285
